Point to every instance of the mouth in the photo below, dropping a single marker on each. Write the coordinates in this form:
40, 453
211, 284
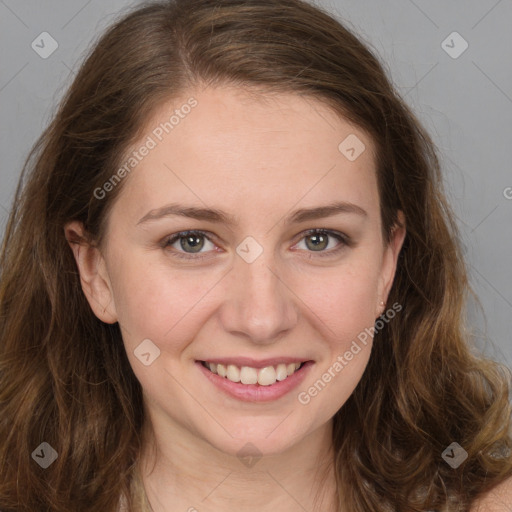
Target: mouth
266, 376
255, 383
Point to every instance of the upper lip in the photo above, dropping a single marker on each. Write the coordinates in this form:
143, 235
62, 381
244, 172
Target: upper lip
254, 363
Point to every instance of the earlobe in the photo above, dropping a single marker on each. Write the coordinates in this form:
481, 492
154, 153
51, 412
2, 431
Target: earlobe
93, 273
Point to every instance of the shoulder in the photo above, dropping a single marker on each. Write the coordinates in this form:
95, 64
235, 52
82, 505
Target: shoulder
498, 499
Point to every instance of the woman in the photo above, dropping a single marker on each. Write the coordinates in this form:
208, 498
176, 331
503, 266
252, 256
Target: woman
231, 281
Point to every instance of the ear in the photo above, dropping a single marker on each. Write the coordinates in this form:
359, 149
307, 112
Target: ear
389, 261
93, 273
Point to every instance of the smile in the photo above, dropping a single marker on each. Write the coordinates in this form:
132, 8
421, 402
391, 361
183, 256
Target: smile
263, 382
247, 375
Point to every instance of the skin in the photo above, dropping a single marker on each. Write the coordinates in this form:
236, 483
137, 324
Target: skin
257, 160
498, 499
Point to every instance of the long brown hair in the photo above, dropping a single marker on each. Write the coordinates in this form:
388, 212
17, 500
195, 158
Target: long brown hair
65, 378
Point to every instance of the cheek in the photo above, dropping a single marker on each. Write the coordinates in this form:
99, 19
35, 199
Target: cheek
345, 308
164, 304
344, 299
153, 302
339, 380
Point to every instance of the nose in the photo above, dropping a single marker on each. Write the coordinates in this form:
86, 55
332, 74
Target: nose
259, 304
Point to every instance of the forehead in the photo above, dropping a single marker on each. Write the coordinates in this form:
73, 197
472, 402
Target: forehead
250, 152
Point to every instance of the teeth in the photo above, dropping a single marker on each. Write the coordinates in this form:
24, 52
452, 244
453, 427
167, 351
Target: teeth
221, 370
247, 375
281, 372
233, 373
267, 376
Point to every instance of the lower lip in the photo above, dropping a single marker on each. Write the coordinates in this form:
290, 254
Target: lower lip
256, 392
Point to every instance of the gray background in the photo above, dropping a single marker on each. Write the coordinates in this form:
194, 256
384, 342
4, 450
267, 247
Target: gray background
465, 103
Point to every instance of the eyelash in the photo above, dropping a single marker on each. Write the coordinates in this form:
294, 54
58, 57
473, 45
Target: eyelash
345, 241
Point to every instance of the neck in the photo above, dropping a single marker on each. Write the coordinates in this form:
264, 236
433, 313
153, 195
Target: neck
191, 475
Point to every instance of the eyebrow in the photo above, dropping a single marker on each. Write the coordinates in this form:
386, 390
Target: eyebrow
218, 216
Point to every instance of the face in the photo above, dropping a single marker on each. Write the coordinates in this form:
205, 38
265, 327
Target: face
248, 237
